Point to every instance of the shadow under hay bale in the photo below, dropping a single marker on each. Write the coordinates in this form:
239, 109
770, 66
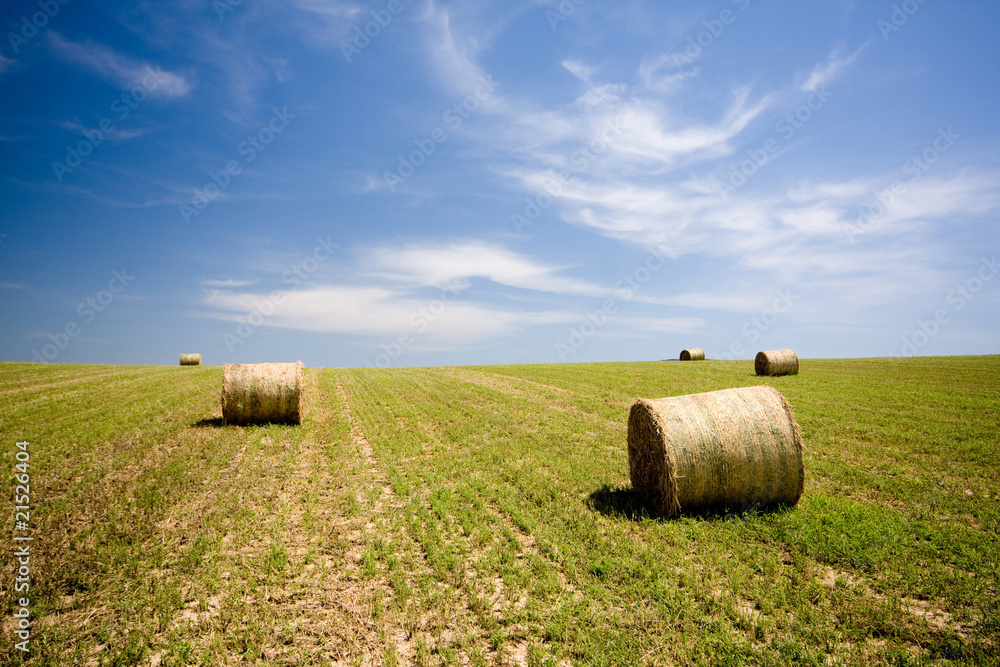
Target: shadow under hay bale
620, 502
776, 362
262, 393
627, 503
693, 354
190, 360
728, 450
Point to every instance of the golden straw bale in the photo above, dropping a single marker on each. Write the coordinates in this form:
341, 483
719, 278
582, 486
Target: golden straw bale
729, 449
777, 362
262, 393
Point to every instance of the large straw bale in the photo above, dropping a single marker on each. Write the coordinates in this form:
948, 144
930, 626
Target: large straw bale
731, 449
776, 362
190, 360
693, 354
262, 393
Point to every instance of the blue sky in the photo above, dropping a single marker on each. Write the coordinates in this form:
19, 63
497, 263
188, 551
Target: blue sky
426, 183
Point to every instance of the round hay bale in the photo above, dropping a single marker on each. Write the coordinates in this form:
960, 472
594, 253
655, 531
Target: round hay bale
693, 354
776, 362
731, 449
190, 360
262, 393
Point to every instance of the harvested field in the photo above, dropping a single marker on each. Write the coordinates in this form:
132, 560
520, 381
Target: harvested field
484, 515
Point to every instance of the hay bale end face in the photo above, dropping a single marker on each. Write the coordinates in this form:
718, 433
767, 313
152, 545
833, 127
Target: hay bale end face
733, 449
262, 393
776, 362
190, 360
693, 354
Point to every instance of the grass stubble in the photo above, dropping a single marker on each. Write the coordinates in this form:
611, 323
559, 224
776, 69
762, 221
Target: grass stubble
483, 515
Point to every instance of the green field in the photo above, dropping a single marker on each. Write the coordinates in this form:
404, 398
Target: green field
484, 516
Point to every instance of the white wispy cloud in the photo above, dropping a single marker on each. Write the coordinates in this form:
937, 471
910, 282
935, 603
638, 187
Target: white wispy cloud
431, 264
228, 282
398, 280
642, 134
453, 53
826, 72
328, 23
680, 222
116, 134
119, 69
382, 312
652, 131
129, 198
332, 10
663, 73
579, 69
651, 186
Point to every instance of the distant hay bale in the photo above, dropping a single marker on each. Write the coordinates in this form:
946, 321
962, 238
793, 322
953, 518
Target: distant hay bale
729, 449
262, 393
190, 360
777, 362
693, 354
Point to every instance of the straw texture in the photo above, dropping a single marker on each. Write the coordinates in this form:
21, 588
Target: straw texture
262, 393
777, 362
731, 449
693, 354
190, 360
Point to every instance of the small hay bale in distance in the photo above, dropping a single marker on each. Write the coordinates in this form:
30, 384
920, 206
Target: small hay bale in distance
733, 449
693, 354
776, 362
262, 393
190, 360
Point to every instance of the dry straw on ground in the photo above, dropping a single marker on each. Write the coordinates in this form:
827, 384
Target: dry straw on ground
262, 393
729, 449
776, 362
190, 360
693, 354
